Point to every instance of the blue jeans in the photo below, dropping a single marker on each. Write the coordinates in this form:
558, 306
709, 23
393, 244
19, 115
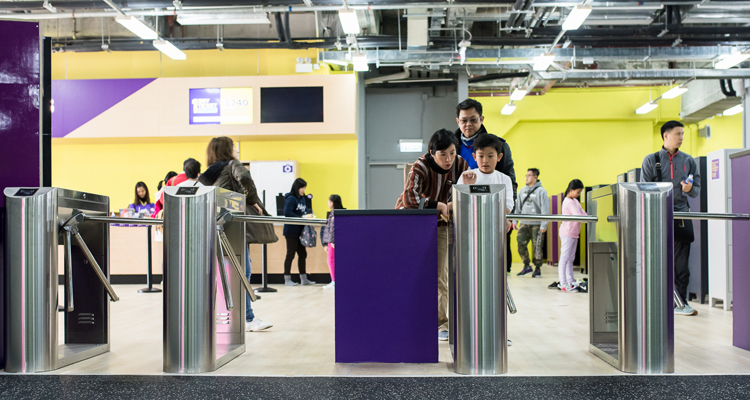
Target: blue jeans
249, 316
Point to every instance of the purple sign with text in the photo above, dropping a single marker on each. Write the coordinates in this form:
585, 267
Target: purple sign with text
714, 169
205, 106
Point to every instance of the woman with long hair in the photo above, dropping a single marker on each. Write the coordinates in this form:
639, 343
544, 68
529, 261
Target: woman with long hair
295, 206
225, 171
334, 203
569, 232
142, 202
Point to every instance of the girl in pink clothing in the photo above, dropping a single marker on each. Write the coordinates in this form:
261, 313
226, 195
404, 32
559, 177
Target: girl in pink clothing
569, 232
334, 203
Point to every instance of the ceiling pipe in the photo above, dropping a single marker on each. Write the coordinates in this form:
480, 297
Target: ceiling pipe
494, 77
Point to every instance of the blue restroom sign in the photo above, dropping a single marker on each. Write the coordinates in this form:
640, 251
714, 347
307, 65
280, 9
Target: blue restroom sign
287, 169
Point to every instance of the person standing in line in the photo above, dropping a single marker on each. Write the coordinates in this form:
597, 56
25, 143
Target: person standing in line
295, 206
192, 172
334, 203
470, 125
225, 171
569, 233
671, 165
429, 182
532, 200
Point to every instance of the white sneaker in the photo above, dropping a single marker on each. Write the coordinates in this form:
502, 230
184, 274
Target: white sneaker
331, 285
256, 325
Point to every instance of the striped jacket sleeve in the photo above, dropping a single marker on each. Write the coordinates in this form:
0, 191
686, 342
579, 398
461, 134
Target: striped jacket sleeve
414, 187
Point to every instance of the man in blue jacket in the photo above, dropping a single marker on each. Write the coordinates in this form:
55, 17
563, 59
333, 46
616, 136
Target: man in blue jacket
669, 164
470, 124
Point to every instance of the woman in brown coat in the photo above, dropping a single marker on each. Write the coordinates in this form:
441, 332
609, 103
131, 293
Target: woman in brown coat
225, 171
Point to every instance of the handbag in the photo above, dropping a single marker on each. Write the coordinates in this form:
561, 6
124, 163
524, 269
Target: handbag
309, 237
259, 232
683, 228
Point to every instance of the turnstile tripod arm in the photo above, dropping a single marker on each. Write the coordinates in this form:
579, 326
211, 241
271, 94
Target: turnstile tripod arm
95, 266
511, 304
223, 274
68, 272
236, 264
678, 301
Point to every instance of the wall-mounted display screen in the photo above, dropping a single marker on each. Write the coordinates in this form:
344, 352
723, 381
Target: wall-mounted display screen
221, 106
25, 192
291, 104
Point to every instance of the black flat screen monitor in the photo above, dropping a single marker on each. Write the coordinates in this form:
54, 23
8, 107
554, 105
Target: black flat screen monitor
291, 104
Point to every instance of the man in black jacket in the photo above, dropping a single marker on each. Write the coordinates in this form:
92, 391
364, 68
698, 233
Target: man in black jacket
470, 125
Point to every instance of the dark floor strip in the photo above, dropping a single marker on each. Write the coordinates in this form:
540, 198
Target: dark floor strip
237, 387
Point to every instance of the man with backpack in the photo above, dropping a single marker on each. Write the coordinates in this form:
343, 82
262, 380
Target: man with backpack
671, 165
532, 200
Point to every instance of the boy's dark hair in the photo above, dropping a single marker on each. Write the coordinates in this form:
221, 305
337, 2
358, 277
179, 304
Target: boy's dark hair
192, 168
485, 140
298, 184
441, 140
534, 171
185, 163
468, 104
668, 126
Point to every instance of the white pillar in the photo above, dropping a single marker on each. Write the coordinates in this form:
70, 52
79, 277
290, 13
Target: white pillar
463, 87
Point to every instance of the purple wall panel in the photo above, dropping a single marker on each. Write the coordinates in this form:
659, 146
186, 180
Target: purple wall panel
19, 105
741, 252
386, 288
79, 101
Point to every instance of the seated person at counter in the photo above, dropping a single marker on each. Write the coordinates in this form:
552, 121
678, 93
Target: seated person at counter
192, 172
142, 203
431, 179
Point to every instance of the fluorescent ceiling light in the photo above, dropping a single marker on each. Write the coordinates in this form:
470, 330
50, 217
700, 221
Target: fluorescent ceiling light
619, 21
518, 94
508, 109
170, 50
349, 21
646, 108
541, 63
136, 26
732, 60
223, 19
410, 145
734, 110
576, 17
360, 63
674, 92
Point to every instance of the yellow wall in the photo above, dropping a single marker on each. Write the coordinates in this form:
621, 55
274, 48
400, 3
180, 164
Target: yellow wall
151, 64
593, 134
113, 166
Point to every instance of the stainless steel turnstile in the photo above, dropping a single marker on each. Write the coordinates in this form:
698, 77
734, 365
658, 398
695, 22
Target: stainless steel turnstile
38, 221
631, 267
478, 285
204, 278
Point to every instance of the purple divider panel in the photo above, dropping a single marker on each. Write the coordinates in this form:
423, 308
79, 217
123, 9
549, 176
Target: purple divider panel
19, 105
79, 101
386, 288
741, 252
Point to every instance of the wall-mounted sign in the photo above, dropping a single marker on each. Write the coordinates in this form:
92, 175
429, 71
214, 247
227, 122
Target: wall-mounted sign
715, 169
221, 106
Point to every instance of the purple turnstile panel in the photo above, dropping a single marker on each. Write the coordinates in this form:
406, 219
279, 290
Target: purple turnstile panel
741, 251
386, 286
19, 105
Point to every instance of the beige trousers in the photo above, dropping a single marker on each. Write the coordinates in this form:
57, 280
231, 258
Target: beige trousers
445, 238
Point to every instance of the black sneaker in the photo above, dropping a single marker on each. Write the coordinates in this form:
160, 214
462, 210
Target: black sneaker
537, 273
554, 285
525, 271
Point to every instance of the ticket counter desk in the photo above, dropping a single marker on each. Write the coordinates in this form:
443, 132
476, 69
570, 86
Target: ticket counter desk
386, 286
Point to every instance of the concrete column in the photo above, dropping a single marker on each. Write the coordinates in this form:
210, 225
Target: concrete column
463, 87
362, 168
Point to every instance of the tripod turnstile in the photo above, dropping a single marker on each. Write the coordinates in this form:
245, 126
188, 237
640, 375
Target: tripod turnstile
478, 286
203, 263
631, 271
38, 221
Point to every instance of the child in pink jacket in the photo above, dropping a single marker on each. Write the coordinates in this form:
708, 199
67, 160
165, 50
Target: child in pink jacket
569, 232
